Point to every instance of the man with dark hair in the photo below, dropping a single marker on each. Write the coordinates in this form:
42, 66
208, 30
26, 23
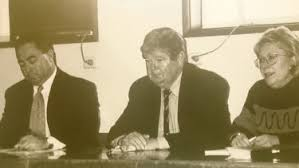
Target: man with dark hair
48, 105
177, 105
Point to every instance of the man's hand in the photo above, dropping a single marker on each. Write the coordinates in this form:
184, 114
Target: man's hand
152, 144
266, 141
31, 143
240, 141
156, 143
133, 141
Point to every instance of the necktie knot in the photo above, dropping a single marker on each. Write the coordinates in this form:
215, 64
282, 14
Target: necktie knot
166, 92
40, 88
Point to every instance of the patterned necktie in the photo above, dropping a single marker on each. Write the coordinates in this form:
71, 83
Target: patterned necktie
37, 115
166, 94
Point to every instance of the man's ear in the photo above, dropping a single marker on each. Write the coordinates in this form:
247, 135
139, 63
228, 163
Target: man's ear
51, 54
294, 61
181, 58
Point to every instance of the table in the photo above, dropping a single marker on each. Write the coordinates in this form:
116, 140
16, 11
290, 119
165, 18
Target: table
152, 159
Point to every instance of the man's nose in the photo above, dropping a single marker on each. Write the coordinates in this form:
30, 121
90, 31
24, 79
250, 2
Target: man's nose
156, 70
26, 69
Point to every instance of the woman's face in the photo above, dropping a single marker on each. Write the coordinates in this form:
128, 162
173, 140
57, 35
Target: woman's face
275, 65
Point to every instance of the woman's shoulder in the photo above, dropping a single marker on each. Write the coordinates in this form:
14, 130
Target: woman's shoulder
258, 85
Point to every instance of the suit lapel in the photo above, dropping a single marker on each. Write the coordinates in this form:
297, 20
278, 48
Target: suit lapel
28, 98
52, 101
54, 89
186, 90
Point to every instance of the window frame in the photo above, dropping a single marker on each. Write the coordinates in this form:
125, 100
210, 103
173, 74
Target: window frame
190, 30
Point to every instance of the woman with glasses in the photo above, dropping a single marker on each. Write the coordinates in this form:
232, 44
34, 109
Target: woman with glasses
270, 115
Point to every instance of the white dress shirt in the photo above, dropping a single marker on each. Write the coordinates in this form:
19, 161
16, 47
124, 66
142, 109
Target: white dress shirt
173, 116
46, 92
173, 113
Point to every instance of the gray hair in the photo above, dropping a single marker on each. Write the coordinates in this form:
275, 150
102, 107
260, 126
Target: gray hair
287, 40
165, 39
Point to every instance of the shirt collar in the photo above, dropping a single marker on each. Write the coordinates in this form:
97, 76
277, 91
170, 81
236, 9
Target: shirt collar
175, 87
48, 83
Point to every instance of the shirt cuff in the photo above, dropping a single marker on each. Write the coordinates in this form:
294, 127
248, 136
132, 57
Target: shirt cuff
162, 143
56, 144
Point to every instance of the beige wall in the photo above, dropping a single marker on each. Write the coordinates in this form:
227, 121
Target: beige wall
122, 26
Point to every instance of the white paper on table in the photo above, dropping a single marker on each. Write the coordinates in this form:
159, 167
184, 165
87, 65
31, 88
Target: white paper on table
239, 153
217, 152
17, 152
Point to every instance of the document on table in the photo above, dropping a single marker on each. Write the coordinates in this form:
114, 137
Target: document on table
239, 153
13, 151
216, 152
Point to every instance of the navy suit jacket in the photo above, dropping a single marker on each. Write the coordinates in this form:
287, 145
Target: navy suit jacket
72, 112
203, 114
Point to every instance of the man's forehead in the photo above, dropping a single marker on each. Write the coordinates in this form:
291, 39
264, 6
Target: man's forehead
27, 48
27, 51
157, 53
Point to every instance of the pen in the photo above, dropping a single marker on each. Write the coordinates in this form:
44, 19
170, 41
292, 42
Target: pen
252, 139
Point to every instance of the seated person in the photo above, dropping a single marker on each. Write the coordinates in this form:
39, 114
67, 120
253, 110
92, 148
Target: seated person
177, 105
48, 105
270, 112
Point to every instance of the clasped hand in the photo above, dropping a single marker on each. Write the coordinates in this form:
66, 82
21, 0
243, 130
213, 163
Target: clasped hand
262, 141
135, 141
31, 143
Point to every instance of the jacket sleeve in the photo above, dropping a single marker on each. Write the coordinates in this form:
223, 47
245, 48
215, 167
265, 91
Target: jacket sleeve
10, 132
210, 129
245, 122
87, 115
126, 123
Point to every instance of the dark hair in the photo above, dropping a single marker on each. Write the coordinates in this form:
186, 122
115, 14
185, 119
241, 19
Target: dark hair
41, 42
165, 39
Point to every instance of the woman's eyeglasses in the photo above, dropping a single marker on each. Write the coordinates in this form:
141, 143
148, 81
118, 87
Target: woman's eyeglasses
270, 60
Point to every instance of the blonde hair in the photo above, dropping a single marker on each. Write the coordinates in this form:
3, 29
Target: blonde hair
287, 40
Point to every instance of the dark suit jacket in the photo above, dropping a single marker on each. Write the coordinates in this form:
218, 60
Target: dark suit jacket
72, 112
202, 112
